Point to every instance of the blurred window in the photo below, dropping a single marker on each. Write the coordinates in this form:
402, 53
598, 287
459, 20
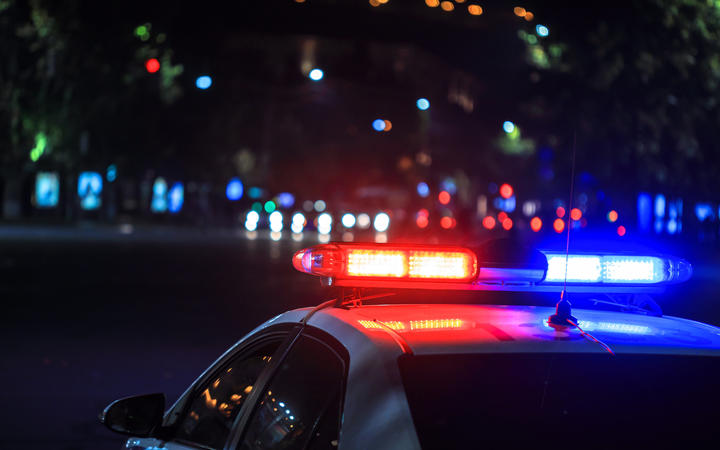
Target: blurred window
302, 405
217, 403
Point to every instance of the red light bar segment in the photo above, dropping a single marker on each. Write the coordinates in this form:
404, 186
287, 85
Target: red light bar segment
376, 263
392, 262
453, 265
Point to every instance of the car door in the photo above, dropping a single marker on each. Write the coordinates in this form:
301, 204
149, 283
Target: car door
301, 405
203, 417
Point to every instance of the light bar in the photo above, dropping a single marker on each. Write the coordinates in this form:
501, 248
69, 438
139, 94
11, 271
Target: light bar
615, 269
389, 262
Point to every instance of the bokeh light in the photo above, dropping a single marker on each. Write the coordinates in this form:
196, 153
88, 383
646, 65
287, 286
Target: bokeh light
422, 221
489, 222
621, 230
575, 214
560, 211
388, 125
363, 221
234, 189
559, 225
319, 205
203, 82
378, 125
381, 222
422, 104
444, 197
519, 11
475, 10
152, 65
316, 74
447, 6
348, 220
269, 206
506, 191
542, 30
324, 221
508, 126
423, 189
507, 223
432, 3
536, 224
446, 222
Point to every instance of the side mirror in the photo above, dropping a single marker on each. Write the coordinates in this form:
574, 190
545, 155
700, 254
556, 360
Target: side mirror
135, 416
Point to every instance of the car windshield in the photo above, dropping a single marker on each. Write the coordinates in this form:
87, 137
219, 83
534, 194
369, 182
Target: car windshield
481, 398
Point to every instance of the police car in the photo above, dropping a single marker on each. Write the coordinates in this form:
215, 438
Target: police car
367, 371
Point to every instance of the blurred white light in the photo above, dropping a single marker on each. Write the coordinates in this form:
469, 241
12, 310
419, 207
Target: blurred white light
508, 126
348, 220
276, 216
253, 216
250, 226
308, 205
276, 235
422, 104
542, 30
297, 237
299, 218
323, 238
276, 226
325, 220
251, 234
381, 222
320, 206
381, 238
296, 227
316, 74
363, 221
348, 237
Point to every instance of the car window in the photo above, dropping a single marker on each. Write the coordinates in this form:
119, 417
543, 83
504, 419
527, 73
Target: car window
212, 411
302, 405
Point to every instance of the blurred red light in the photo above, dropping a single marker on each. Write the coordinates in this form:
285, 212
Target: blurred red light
536, 224
575, 214
489, 222
152, 65
507, 223
506, 191
502, 216
559, 225
621, 230
446, 222
612, 216
422, 221
560, 211
444, 197
423, 212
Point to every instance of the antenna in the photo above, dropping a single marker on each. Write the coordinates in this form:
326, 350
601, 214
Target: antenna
563, 317
563, 311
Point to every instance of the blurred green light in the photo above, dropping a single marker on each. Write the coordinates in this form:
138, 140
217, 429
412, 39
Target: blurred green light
257, 207
269, 206
141, 30
40, 145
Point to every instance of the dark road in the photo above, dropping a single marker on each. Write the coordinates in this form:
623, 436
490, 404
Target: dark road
90, 320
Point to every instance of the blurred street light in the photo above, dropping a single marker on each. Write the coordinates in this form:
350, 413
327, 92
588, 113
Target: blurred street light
316, 74
422, 104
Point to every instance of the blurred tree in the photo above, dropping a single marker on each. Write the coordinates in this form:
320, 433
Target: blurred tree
73, 90
639, 85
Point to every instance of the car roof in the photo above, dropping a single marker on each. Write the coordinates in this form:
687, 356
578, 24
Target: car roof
438, 329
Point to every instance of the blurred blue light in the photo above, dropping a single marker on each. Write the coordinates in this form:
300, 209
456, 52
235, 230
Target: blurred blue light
542, 30
378, 124
89, 189
703, 211
255, 192
111, 173
605, 269
47, 189
234, 189
672, 226
203, 82
423, 189
159, 202
659, 205
286, 199
644, 212
448, 184
176, 197
316, 75
422, 104
508, 126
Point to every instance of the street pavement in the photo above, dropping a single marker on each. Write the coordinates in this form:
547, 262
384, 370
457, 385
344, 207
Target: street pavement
91, 315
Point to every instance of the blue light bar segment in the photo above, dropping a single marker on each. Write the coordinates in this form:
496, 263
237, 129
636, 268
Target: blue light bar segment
615, 269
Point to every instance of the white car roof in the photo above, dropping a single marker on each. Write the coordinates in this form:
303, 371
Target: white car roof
437, 329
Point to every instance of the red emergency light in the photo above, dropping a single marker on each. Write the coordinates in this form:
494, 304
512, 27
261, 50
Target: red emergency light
388, 262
